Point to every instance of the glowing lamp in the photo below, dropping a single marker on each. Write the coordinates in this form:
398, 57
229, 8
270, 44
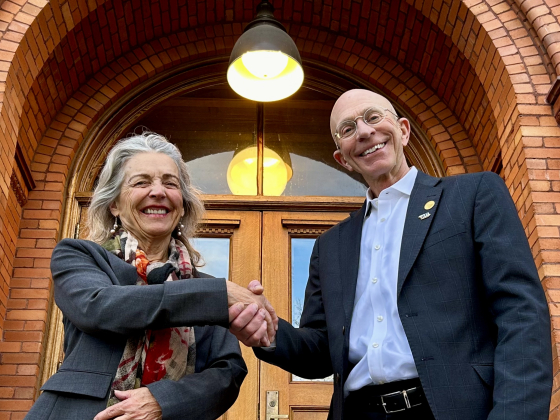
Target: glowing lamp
242, 172
265, 64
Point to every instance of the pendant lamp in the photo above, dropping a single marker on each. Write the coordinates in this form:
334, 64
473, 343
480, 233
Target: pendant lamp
265, 64
242, 172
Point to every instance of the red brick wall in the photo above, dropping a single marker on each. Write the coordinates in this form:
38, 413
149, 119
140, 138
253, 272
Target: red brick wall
474, 75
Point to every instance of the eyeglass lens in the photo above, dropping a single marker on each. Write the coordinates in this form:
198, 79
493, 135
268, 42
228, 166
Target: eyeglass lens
372, 116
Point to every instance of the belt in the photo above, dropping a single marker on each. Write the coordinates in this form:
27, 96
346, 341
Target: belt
392, 397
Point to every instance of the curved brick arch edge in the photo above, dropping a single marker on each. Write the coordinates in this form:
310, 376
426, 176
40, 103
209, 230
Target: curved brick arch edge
518, 137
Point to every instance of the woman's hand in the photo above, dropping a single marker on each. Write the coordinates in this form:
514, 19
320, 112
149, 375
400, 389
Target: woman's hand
137, 404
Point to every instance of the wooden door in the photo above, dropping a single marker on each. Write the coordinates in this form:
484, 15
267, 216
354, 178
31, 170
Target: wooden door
287, 241
243, 230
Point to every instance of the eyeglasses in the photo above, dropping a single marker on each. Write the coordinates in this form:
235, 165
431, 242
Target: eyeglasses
372, 117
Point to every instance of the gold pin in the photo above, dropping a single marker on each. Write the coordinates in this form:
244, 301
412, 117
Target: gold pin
429, 205
424, 216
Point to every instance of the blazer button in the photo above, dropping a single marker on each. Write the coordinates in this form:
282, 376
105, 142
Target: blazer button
343, 329
337, 378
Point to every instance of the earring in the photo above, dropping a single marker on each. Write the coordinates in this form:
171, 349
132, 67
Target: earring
115, 227
179, 227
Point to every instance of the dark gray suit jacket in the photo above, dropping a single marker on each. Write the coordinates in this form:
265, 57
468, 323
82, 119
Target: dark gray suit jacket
468, 295
102, 306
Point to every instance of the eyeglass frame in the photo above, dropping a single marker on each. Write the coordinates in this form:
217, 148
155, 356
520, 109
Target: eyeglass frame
336, 135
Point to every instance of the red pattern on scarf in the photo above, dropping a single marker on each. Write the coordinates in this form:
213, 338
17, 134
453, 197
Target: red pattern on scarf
159, 348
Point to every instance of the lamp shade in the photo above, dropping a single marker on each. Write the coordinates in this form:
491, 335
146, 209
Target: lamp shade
265, 64
242, 172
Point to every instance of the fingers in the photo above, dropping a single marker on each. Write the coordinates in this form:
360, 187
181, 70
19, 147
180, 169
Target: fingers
255, 287
271, 330
244, 318
259, 338
122, 395
249, 325
234, 311
272, 313
135, 404
110, 412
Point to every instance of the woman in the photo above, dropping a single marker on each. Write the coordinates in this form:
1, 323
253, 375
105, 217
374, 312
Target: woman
140, 342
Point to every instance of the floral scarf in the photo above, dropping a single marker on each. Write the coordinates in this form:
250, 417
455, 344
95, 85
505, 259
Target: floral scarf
169, 353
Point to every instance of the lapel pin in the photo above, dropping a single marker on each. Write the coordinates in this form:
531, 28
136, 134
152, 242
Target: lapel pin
429, 205
424, 216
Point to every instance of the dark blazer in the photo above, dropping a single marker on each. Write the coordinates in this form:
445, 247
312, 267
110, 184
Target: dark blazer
102, 306
469, 298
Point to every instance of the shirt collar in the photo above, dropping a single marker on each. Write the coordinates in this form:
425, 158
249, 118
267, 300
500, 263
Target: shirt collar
403, 185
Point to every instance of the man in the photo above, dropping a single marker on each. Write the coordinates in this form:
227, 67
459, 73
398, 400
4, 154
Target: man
426, 302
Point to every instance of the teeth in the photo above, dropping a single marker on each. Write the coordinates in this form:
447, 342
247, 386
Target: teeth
155, 211
373, 149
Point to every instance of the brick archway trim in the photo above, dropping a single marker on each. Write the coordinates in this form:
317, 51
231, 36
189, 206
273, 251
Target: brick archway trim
510, 72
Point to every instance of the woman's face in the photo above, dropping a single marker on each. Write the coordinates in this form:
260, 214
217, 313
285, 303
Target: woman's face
150, 203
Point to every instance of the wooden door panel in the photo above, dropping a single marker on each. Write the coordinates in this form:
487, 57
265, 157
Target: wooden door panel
307, 414
303, 400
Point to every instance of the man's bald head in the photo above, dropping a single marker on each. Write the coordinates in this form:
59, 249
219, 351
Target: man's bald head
353, 102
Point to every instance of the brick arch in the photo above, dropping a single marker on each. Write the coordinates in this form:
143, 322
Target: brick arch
53, 102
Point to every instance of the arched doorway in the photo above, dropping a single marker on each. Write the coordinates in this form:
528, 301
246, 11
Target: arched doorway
257, 233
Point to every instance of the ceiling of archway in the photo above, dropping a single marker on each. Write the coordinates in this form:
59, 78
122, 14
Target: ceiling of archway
348, 34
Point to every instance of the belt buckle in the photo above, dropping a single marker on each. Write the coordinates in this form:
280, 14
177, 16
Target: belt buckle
407, 400
405, 397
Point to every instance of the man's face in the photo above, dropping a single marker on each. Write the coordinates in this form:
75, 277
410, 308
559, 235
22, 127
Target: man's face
375, 152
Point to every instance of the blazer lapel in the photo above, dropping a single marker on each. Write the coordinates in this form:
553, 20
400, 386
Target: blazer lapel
125, 273
418, 221
350, 238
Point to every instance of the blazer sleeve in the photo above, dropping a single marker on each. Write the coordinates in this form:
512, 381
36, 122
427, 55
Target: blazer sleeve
523, 359
213, 389
90, 294
304, 351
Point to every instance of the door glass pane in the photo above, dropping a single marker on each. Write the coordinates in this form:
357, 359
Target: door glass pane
297, 130
215, 253
211, 126
301, 254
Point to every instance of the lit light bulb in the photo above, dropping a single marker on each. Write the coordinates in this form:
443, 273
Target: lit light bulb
269, 161
265, 64
242, 172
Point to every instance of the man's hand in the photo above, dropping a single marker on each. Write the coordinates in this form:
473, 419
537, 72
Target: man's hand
137, 404
254, 325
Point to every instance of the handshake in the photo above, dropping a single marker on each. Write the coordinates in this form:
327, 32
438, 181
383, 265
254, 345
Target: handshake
252, 318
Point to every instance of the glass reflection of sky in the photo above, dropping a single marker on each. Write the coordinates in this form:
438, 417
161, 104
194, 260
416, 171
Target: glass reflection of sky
311, 177
209, 173
215, 253
301, 253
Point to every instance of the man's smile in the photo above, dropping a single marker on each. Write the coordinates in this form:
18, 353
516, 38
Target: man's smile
373, 149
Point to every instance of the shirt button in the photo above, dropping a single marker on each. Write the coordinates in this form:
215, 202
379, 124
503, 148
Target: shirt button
374, 280
380, 318
382, 219
377, 247
375, 345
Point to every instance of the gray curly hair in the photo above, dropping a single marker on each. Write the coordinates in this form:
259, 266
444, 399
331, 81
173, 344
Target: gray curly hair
100, 219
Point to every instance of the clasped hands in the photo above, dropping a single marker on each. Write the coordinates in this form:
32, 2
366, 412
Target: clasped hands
252, 318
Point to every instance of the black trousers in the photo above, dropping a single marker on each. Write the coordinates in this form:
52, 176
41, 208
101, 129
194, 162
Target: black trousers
356, 405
